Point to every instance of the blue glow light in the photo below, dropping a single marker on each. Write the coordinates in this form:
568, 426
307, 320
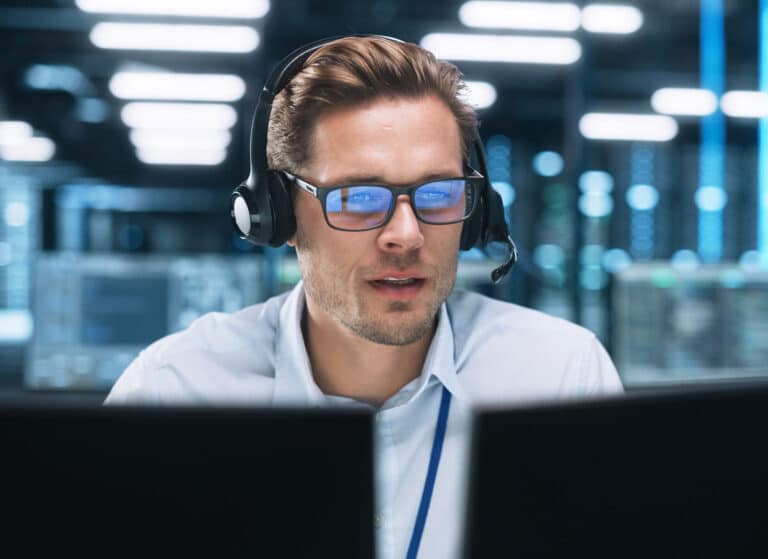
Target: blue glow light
56, 77
685, 260
16, 214
507, 192
596, 181
616, 259
643, 197
548, 256
710, 235
92, 110
711, 199
595, 204
754, 260
548, 163
762, 149
712, 152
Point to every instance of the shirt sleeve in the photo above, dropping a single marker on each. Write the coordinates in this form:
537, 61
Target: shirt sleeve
133, 385
599, 372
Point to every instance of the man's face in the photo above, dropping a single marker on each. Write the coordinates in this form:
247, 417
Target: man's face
347, 275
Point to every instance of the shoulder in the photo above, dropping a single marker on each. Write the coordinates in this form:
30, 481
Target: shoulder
473, 315
503, 349
220, 356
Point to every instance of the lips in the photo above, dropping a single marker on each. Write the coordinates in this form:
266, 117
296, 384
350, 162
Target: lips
398, 285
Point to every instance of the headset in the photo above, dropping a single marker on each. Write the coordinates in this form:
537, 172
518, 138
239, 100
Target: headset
262, 209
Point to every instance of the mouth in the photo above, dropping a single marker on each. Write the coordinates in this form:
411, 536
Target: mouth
398, 287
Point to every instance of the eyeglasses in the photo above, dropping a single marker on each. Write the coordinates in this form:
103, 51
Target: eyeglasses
360, 207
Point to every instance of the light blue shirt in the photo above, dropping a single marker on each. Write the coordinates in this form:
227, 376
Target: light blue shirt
484, 351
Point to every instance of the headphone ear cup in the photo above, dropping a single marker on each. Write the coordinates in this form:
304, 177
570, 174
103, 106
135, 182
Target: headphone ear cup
251, 214
284, 219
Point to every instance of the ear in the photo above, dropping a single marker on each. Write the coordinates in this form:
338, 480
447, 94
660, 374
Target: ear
291, 242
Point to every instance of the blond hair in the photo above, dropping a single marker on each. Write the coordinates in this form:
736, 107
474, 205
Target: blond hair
350, 72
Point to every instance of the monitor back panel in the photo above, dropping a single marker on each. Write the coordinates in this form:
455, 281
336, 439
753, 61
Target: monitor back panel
683, 475
141, 482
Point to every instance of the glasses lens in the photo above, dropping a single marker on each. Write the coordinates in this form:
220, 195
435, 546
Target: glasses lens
358, 207
444, 201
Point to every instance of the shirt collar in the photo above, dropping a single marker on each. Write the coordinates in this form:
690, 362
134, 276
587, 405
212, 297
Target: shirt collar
294, 383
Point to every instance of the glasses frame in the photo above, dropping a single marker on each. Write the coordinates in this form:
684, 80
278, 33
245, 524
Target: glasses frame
321, 193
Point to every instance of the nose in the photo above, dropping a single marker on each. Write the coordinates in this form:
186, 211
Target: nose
403, 232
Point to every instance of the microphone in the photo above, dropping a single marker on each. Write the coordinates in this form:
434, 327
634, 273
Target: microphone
499, 273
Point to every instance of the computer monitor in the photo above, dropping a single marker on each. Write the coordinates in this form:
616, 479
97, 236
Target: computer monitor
673, 324
653, 475
91, 481
93, 313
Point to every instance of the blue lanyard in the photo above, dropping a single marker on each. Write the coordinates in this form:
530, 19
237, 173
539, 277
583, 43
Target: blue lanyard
429, 484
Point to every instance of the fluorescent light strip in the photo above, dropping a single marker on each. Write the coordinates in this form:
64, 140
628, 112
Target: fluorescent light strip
183, 87
611, 18
158, 139
552, 16
543, 16
632, 127
480, 95
14, 132
192, 38
503, 48
684, 101
745, 104
235, 9
31, 149
181, 156
181, 116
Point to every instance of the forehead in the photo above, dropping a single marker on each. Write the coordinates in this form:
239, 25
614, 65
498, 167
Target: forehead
395, 140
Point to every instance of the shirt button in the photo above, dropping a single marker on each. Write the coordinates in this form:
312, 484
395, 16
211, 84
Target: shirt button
377, 520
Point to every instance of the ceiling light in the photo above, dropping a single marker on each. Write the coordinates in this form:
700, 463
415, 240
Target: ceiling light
745, 104
181, 156
480, 95
56, 77
711, 198
684, 101
544, 16
159, 139
168, 85
611, 18
155, 36
596, 181
178, 115
14, 132
642, 197
31, 149
620, 126
503, 48
245, 9
92, 109
548, 163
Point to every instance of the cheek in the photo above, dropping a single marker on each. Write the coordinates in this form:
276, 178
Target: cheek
445, 239
334, 252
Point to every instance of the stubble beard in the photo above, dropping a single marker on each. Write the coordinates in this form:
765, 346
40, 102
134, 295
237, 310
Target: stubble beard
345, 304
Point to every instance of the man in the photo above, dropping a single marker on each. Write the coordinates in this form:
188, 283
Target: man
374, 321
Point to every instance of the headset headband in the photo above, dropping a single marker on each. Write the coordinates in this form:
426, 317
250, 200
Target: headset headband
261, 207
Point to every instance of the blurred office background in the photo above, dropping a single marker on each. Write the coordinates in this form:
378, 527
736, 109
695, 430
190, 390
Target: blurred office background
628, 141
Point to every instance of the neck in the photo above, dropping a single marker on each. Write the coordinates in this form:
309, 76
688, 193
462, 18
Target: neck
344, 364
